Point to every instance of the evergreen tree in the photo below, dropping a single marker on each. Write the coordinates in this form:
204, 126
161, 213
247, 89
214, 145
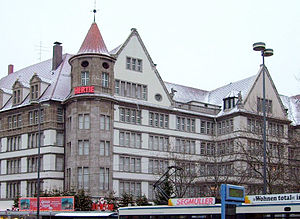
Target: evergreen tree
111, 199
126, 199
142, 201
82, 201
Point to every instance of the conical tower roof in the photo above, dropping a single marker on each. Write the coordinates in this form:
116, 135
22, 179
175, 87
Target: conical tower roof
93, 42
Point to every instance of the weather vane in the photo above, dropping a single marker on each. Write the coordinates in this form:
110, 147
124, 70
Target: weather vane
94, 11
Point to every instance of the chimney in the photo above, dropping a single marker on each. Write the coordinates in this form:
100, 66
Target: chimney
10, 69
57, 55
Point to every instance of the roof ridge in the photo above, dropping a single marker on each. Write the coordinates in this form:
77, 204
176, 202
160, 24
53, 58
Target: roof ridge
59, 73
235, 82
185, 86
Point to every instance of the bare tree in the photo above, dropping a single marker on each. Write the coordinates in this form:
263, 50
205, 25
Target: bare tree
251, 152
294, 160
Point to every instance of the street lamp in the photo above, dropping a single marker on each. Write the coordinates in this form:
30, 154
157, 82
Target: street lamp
260, 46
39, 159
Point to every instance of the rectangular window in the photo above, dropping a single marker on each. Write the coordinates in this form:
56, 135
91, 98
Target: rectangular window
185, 146
31, 188
130, 139
84, 121
104, 148
33, 140
268, 105
85, 78
83, 178
83, 147
134, 64
158, 143
139, 65
13, 189
185, 124
9, 122
13, 166
157, 166
117, 87
30, 118
130, 187
17, 96
59, 163
132, 116
104, 178
160, 120
60, 114
105, 122
105, 79
132, 90
128, 63
130, 164
32, 164
34, 89
60, 139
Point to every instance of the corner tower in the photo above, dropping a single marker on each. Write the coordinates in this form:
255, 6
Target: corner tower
89, 116
92, 67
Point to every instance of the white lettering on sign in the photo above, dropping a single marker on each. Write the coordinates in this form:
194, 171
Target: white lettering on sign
192, 201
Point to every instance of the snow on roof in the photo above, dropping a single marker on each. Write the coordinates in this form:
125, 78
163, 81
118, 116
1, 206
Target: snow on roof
186, 94
6, 90
25, 74
292, 104
115, 50
216, 96
59, 80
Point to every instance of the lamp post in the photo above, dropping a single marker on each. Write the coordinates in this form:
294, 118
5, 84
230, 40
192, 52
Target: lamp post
260, 46
39, 163
38, 158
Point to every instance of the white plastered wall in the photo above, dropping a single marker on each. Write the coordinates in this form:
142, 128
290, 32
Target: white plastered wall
148, 77
257, 91
49, 137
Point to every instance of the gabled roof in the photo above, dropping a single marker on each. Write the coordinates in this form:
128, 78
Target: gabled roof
59, 80
115, 52
216, 96
93, 42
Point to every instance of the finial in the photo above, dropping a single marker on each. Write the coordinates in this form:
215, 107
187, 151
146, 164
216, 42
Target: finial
94, 11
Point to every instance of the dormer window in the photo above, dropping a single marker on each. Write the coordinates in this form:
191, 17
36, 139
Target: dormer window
229, 102
17, 96
34, 91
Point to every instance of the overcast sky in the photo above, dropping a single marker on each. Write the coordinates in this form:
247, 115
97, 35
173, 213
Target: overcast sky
199, 43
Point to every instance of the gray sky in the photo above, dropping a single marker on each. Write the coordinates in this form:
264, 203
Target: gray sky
199, 43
